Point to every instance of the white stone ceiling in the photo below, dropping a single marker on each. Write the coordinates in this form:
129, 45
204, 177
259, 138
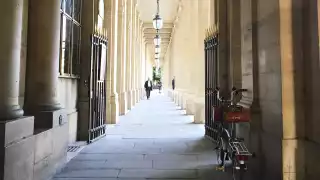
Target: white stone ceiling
168, 12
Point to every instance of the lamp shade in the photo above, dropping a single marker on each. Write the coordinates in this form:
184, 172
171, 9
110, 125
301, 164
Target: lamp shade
157, 49
157, 40
157, 22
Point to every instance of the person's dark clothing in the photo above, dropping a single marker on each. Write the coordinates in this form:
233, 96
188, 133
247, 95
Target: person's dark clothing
160, 86
173, 84
148, 88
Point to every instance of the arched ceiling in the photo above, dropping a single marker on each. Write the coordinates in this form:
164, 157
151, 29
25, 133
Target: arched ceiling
148, 9
168, 12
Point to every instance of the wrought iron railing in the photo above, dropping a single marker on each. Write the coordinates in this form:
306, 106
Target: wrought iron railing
97, 122
211, 44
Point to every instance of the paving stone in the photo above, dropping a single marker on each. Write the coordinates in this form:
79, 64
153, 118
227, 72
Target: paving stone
89, 173
154, 173
78, 165
113, 164
100, 179
171, 157
109, 157
207, 157
174, 149
154, 141
182, 164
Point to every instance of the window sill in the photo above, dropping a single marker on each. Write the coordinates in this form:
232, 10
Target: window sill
68, 76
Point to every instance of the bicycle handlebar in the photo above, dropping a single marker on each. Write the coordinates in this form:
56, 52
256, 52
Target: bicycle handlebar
234, 91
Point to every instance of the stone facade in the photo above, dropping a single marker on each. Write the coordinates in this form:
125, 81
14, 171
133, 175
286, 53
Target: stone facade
271, 49
34, 146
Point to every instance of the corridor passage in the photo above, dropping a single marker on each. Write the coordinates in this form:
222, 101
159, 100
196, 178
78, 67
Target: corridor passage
153, 141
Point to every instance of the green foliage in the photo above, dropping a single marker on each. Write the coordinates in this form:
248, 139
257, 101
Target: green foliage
156, 75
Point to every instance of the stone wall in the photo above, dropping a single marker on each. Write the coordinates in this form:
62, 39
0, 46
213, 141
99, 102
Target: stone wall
50, 151
269, 68
68, 97
186, 58
311, 88
280, 50
67, 93
36, 154
261, 74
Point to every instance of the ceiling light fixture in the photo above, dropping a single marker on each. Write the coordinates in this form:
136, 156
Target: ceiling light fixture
157, 20
157, 40
157, 49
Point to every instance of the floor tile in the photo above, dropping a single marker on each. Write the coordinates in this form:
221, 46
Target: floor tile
154, 141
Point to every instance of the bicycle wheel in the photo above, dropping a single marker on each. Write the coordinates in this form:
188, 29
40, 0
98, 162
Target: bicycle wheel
218, 150
238, 170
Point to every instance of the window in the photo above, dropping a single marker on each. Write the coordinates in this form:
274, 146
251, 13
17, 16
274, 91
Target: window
70, 37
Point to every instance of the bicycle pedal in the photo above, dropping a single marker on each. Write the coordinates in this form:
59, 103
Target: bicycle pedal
220, 168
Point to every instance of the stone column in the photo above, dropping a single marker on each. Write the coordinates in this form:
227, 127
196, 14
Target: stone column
10, 44
299, 46
121, 85
129, 52
141, 62
43, 62
138, 57
223, 48
235, 44
133, 54
17, 142
111, 21
142, 67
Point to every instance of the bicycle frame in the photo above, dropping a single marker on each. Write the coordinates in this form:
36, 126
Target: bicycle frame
237, 151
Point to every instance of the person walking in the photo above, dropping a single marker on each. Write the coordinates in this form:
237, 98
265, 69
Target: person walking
173, 83
160, 86
148, 87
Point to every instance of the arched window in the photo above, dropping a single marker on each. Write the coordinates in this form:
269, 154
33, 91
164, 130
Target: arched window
70, 37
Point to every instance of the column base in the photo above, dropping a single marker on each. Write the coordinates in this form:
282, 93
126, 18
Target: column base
49, 119
129, 96
123, 103
114, 104
17, 152
133, 98
294, 163
141, 93
137, 96
11, 112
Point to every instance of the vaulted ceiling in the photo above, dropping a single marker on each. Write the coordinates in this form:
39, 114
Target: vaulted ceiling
168, 11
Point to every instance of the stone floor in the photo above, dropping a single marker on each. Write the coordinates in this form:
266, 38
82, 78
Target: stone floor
155, 140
